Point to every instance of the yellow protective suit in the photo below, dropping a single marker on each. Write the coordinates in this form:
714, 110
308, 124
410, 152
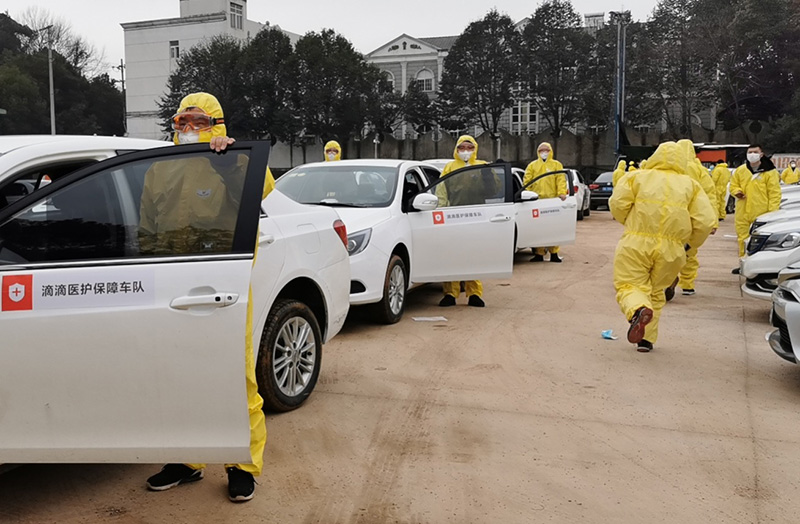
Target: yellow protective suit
632, 166
473, 287
721, 176
619, 172
790, 176
333, 144
209, 104
547, 187
762, 194
662, 210
695, 169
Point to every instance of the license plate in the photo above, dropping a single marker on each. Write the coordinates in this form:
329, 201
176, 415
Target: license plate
607, 188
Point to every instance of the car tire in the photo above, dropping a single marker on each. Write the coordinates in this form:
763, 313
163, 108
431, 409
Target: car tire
290, 323
730, 207
395, 286
587, 211
580, 214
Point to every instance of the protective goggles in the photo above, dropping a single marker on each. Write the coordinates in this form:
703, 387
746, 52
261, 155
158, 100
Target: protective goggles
195, 121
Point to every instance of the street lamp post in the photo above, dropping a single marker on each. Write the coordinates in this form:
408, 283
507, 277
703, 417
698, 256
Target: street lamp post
622, 19
50, 74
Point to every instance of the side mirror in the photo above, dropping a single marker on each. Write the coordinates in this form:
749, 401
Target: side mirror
425, 202
528, 196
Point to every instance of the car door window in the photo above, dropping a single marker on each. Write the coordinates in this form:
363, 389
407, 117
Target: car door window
185, 204
473, 186
413, 184
431, 175
34, 179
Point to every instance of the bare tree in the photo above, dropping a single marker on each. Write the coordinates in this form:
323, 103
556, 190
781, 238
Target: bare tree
76, 50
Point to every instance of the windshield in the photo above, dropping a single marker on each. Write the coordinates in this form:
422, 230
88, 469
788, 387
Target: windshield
338, 185
604, 177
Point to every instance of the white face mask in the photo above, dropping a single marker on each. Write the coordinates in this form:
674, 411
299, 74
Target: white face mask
793, 165
188, 138
331, 156
753, 157
465, 155
544, 155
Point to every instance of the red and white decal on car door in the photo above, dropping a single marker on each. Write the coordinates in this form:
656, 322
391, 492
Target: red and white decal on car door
438, 217
535, 213
17, 293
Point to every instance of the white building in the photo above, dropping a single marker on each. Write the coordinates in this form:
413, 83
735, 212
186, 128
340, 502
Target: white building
152, 48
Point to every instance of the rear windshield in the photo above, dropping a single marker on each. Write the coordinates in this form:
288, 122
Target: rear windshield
605, 177
359, 186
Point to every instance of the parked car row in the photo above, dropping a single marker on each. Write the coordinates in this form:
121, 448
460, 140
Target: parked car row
123, 315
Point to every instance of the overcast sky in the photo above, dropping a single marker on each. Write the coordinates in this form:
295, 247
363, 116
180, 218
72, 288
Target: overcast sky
368, 25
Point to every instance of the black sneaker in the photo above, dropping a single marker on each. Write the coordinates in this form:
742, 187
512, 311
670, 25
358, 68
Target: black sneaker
554, 257
537, 258
640, 319
735, 271
669, 293
171, 475
447, 301
476, 301
241, 485
688, 292
644, 346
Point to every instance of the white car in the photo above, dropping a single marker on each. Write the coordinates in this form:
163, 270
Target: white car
400, 234
785, 315
543, 222
770, 248
121, 345
580, 190
789, 213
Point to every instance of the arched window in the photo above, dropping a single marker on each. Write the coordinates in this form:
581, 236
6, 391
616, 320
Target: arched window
389, 78
424, 80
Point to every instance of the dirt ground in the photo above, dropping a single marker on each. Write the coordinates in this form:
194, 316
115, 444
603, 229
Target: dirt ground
517, 413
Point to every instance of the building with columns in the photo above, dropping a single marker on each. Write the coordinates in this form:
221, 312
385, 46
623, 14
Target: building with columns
152, 49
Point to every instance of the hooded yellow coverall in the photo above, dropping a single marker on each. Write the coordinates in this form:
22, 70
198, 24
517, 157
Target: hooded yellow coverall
720, 176
662, 210
790, 176
192, 209
619, 172
700, 174
333, 144
762, 194
473, 287
632, 166
547, 187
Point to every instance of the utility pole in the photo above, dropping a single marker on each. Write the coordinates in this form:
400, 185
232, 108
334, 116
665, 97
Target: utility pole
50, 74
121, 68
622, 19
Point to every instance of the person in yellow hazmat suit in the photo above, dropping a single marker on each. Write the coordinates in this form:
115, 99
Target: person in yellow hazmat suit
664, 213
694, 168
464, 154
547, 187
757, 189
200, 119
619, 172
720, 176
333, 151
632, 166
791, 175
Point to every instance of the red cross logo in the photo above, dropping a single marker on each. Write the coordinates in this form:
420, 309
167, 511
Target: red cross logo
438, 218
535, 213
17, 293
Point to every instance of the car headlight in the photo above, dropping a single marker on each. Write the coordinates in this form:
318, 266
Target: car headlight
357, 242
782, 242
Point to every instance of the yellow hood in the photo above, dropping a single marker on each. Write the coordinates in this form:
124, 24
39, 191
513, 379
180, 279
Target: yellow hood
723, 164
669, 157
333, 144
461, 140
211, 106
621, 165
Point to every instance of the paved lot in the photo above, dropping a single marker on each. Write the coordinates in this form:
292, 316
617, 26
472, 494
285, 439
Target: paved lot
518, 413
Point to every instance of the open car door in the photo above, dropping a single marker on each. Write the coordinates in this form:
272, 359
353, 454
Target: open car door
124, 297
547, 221
462, 226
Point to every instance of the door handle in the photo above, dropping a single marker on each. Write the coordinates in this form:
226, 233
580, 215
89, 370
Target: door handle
266, 239
571, 205
500, 218
215, 300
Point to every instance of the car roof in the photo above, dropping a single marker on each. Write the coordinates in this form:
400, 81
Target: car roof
12, 142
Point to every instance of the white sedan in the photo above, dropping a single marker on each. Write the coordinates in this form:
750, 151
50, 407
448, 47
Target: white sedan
121, 344
401, 234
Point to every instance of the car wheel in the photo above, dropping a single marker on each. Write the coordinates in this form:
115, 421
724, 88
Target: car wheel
587, 211
580, 214
390, 309
289, 357
730, 208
